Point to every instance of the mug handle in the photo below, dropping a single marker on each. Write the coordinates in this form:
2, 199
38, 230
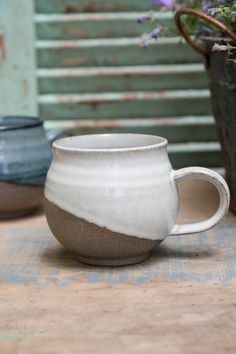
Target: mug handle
222, 187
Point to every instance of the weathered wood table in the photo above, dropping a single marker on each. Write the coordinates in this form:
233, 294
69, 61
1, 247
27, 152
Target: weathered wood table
182, 300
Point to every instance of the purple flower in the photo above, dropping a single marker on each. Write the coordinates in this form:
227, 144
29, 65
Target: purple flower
213, 11
165, 3
144, 18
154, 34
146, 37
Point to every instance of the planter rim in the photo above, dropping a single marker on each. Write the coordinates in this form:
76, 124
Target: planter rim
18, 122
215, 39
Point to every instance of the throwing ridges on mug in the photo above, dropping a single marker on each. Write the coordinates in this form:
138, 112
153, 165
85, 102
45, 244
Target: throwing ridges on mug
111, 198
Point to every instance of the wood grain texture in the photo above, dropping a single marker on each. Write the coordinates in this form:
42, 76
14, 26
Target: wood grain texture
120, 79
75, 6
179, 301
175, 129
98, 25
125, 104
112, 52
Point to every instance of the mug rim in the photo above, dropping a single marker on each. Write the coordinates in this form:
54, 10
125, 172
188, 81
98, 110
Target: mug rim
160, 143
25, 122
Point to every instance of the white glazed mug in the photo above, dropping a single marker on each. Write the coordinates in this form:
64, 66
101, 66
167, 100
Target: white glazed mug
111, 198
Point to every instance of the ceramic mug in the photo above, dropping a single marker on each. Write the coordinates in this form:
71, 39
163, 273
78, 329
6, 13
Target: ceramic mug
25, 156
111, 198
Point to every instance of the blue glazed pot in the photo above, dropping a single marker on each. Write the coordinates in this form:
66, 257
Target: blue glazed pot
25, 156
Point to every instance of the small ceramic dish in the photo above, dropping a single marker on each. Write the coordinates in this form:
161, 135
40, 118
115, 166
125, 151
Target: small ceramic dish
25, 156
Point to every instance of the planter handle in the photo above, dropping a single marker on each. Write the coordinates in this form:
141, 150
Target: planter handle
202, 15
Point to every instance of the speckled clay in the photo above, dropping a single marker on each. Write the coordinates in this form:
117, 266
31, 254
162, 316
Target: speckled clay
112, 198
94, 244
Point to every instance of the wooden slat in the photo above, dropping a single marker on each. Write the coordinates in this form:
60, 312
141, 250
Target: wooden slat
76, 6
119, 79
99, 25
175, 129
112, 52
198, 154
123, 105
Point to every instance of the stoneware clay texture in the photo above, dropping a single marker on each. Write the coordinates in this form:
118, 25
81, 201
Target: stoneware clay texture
111, 198
25, 156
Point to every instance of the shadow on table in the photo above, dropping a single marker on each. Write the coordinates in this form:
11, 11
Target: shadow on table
60, 257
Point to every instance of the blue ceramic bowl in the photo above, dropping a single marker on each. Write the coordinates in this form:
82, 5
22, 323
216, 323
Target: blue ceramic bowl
25, 156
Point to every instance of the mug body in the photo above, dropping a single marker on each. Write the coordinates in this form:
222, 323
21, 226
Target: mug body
111, 198
25, 156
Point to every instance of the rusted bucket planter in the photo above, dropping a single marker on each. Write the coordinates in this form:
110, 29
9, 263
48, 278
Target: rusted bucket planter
221, 72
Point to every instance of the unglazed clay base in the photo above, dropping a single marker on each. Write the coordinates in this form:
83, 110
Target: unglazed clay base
18, 200
93, 244
113, 262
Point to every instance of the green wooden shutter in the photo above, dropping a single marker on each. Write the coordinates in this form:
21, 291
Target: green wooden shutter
92, 76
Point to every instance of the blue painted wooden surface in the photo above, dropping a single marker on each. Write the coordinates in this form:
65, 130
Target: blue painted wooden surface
180, 301
30, 255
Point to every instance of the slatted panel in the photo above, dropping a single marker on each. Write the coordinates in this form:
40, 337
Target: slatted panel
131, 104
80, 6
120, 79
84, 26
94, 77
201, 129
112, 52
